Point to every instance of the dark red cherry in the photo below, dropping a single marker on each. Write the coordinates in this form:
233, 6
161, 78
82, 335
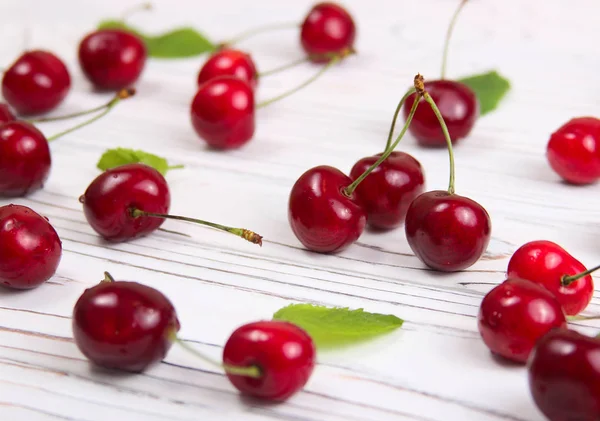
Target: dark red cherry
574, 150
24, 159
387, 192
284, 353
109, 199
446, 231
6, 114
564, 376
229, 62
30, 249
124, 325
36, 83
457, 104
515, 315
547, 264
112, 59
222, 112
321, 215
327, 30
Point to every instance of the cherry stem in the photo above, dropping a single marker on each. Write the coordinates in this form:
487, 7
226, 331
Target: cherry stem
255, 31
448, 36
175, 167
398, 108
307, 82
135, 9
240, 232
437, 113
283, 67
568, 280
581, 318
250, 371
108, 277
350, 189
122, 94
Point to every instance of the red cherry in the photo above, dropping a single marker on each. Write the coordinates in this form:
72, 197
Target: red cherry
446, 231
229, 62
564, 376
6, 114
108, 201
574, 150
327, 30
29, 246
36, 83
387, 192
284, 353
124, 325
222, 112
515, 315
24, 159
322, 217
112, 59
459, 108
547, 263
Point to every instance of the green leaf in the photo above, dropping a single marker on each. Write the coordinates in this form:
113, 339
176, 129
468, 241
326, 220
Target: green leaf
120, 156
178, 43
331, 327
489, 88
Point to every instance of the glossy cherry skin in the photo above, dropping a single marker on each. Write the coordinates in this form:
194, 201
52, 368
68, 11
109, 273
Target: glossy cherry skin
284, 353
24, 159
36, 83
328, 29
124, 325
322, 217
447, 232
457, 104
110, 197
387, 192
6, 114
222, 112
229, 62
30, 248
515, 315
573, 150
546, 263
564, 376
112, 59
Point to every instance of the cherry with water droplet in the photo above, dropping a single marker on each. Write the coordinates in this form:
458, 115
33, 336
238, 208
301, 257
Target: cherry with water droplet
124, 325
514, 315
133, 200
112, 59
564, 376
573, 150
229, 62
30, 248
37, 82
551, 266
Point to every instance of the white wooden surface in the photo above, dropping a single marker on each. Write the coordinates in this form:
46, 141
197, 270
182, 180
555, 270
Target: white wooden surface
435, 368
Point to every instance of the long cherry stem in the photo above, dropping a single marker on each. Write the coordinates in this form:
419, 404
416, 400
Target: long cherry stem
437, 113
449, 35
568, 280
122, 94
240, 232
135, 9
398, 108
350, 189
249, 371
255, 31
284, 67
579, 318
307, 82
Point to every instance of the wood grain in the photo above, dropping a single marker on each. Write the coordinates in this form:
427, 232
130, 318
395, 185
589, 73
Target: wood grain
435, 368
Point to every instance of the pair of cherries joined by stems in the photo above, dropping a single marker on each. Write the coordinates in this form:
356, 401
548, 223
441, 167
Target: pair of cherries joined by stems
223, 109
130, 326
329, 210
